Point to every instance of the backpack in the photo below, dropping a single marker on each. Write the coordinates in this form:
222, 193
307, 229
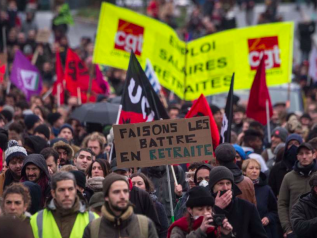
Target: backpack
143, 225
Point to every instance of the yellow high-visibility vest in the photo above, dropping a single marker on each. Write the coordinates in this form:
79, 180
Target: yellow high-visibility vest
44, 225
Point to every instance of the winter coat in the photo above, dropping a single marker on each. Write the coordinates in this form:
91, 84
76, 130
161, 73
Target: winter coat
45, 178
267, 206
158, 176
127, 225
281, 168
244, 183
181, 208
160, 210
143, 205
293, 186
244, 218
304, 216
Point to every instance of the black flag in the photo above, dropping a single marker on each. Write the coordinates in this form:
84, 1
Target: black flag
140, 102
227, 117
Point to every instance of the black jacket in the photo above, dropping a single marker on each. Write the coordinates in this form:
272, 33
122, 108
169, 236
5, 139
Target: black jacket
267, 206
304, 216
143, 205
244, 218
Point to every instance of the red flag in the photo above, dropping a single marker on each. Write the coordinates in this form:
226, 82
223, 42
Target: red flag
77, 75
3, 66
104, 85
201, 108
59, 83
259, 93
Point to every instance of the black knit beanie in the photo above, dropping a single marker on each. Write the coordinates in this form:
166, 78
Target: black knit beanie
219, 173
43, 129
80, 178
199, 196
30, 120
109, 180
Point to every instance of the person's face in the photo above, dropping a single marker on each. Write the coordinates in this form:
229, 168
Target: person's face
15, 165
275, 141
14, 205
292, 142
253, 171
190, 178
222, 185
238, 117
83, 161
94, 146
199, 211
62, 156
138, 182
96, 170
17, 111
218, 117
257, 144
305, 121
10, 101
65, 194
59, 122
202, 174
66, 134
275, 118
173, 113
118, 196
238, 157
32, 172
50, 162
305, 156
13, 134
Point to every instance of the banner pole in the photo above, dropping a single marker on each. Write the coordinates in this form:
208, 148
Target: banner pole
4, 39
174, 176
117, 122
167, 167
35, 56
268, 126
59, 95
79, 96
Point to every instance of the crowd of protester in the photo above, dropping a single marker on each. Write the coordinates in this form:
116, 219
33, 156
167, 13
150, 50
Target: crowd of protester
57, 176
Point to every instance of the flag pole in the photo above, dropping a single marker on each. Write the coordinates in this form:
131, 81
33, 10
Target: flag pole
117, 122
79, 96
59, 95
268, 126
167, 168
4, 39
35, 56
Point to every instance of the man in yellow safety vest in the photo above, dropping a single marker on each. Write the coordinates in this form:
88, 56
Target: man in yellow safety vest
65, 215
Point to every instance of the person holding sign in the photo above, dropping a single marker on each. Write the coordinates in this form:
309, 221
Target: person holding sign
200, 220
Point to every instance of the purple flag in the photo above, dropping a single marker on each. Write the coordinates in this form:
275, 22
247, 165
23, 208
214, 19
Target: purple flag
104, 85
25, 76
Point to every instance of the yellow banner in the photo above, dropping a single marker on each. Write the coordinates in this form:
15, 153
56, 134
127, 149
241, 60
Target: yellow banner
200, 66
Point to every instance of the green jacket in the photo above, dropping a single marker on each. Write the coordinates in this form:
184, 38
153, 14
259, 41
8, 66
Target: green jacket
293, 186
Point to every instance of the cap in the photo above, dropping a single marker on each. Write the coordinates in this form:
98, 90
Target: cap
305, 145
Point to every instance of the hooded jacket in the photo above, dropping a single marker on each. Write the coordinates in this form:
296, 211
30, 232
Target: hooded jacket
281, 168
36, 143
293, 186
304, 216
44, 180
35, 193
267, 206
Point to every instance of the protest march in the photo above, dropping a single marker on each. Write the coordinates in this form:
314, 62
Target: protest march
158, 119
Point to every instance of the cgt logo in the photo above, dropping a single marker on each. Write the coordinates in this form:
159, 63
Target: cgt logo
129, 37
268, 46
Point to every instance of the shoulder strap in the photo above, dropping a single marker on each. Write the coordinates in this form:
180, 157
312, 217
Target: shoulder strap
143, 225
95, 227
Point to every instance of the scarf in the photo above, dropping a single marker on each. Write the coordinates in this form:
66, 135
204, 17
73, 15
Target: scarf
182, 223
305, 171
108, 214
256, 181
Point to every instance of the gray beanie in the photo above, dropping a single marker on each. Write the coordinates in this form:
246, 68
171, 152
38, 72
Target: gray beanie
14, 150
280, 132
225, 153
109, 180
219, 173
